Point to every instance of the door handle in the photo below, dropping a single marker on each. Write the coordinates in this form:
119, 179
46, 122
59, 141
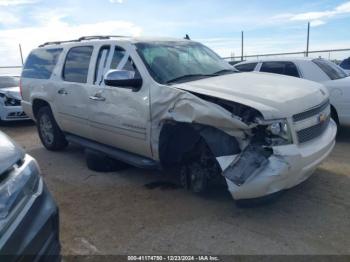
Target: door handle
97, 98
62, 92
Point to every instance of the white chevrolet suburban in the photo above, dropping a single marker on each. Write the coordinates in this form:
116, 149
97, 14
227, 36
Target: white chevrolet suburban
168, 103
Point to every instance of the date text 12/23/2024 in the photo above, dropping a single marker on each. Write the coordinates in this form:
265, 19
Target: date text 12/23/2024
173, 258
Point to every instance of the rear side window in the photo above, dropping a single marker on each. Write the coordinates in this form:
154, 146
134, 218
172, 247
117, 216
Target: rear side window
77, 64
345, 64
246, 67
332, 70
41, 63
282, 68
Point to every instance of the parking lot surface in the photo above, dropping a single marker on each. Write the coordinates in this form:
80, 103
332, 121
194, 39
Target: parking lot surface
115, 213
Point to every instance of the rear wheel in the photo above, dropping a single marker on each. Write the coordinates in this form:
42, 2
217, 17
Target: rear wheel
50, 134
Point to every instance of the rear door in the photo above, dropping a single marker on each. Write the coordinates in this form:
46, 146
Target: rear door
119, 116
73, 92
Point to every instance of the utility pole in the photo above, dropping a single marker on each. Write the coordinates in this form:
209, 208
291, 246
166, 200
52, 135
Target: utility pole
20, 51
242, 57
308, 39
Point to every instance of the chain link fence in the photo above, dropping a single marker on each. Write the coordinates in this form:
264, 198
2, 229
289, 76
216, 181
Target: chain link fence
335, 55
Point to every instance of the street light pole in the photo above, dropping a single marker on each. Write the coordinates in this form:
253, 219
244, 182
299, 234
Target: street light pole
242, 57
308, 39
20, 51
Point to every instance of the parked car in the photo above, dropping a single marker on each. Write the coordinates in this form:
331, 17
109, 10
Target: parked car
175, 104
346, 65
318, 70
28, 213
10, 100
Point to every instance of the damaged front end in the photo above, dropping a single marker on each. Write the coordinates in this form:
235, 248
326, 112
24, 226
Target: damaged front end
238, 143
256, 155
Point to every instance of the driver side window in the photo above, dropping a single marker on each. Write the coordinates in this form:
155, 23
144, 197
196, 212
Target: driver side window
120, 60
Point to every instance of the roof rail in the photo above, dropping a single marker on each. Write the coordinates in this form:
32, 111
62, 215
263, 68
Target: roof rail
57, 42
83, 38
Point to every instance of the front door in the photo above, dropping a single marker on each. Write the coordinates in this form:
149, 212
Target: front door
119, 117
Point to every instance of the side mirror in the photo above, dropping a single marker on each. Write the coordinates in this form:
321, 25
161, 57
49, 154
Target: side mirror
123, 79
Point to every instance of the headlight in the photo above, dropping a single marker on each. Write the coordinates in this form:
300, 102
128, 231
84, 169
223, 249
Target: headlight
278, 132
10, 101
18, 184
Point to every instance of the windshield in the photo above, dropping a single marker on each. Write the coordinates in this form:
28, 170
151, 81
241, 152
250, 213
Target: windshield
177, 61
332, 70
8, 81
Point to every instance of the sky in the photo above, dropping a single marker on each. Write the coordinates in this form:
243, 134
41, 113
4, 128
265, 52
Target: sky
270, 26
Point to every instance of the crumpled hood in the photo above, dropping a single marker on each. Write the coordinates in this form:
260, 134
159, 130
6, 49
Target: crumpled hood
12, 92
275, 96
10, 153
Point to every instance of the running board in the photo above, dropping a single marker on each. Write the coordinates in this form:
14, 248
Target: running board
118, 154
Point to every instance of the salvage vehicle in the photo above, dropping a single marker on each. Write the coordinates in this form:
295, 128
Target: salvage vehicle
175, 104
319, 70
29, 222
10, 100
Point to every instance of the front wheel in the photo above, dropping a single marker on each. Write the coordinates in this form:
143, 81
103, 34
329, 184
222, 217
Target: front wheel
50, 134
200, 169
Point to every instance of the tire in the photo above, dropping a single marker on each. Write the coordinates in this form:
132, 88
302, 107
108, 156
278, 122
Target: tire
199, 170
99, 162
50, 134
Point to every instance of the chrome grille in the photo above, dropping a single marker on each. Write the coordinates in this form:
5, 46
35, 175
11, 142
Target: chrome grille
313, 111
312, 132
312, 123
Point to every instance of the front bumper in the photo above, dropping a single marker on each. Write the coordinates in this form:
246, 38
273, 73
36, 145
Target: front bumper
12, 113
33, 235
287, 167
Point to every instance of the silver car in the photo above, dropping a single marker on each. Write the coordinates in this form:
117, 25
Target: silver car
10, 99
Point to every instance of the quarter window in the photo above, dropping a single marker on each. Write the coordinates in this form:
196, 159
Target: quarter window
282, 68
246, 67
41, 63
77, 63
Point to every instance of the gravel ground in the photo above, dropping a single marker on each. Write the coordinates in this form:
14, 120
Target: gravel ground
114, 213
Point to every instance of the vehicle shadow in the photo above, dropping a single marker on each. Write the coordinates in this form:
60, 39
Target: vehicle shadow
343, 134
16, 124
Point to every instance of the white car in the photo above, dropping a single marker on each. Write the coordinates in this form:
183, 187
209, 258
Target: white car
346, 65
176, 105
318, 70
10, 100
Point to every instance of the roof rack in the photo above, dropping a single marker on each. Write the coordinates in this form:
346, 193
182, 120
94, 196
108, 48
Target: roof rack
83, 38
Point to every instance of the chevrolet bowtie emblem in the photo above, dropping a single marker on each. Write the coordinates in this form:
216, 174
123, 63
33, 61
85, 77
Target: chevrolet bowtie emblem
322, 117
